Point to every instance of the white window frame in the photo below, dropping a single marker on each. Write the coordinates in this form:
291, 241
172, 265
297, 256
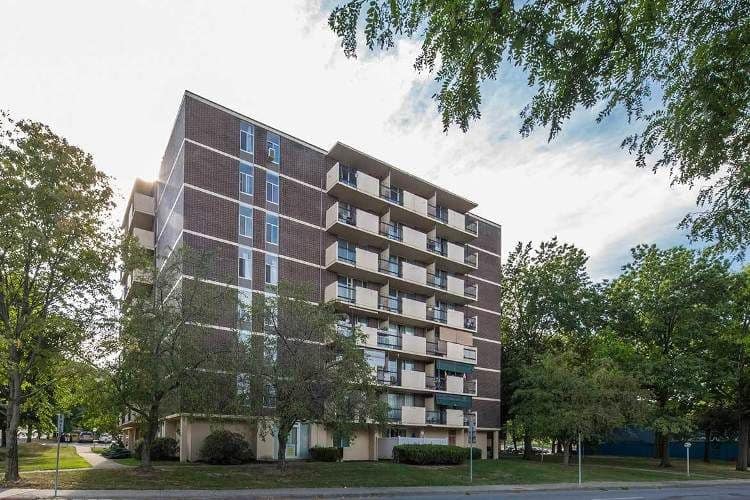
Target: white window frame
247, 178
245, 262
272, 264
271, 226
248, 130
272, 188
246, 224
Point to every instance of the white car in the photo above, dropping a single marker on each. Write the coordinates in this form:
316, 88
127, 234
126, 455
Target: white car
105, 439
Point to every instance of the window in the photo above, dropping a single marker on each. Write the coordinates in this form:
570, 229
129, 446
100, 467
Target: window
246, 137
348, 175
245, 263
347, 252
272, 228
273, 143
272, 187
246, 221
244, 306
272, 269
246, 178
269, 396
270, 349
243, 384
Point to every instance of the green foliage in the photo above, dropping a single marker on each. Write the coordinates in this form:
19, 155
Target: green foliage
679, 68
116, 452
57, 251
325, 454
162, 448
306, 368
432, 454
224, 447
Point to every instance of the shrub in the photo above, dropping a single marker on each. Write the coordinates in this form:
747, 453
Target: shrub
432, 454
226, 448
162, 448
324, 453
116, 452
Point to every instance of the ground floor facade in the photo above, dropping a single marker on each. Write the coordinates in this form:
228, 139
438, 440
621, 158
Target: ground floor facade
368, 443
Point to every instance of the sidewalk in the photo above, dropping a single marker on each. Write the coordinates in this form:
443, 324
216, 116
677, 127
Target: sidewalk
95, 459
356, 492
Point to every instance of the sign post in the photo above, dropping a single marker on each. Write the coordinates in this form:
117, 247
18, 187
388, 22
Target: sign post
472, 440
580, 469
60, 429
687, 451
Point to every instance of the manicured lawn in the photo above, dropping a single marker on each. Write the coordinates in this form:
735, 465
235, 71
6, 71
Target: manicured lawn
352, 474
42, 456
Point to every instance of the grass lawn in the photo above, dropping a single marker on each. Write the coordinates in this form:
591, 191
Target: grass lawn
352, 474
41, 456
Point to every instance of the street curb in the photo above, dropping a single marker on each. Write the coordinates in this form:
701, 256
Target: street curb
21, 493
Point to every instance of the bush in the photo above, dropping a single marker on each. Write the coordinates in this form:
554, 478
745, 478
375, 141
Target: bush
432, 454
116, 452
325, 453
162, 448
224, 447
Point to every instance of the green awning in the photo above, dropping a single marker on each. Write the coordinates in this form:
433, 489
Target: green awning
453, 366
453, 400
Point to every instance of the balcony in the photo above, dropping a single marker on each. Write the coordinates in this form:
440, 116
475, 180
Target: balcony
411, 379
452, 225
389, 340
407, 415
470, 323
452, 351
385, 377
470, 291
140, 212
448, 416
360, 297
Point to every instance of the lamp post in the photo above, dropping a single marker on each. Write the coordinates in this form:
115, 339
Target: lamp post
687, 452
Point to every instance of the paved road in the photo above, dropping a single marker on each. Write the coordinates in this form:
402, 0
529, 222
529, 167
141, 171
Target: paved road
724, 491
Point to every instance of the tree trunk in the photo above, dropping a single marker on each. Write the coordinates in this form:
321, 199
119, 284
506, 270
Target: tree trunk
281, 455
14, 416
152, 425
28, 434
567, 447
665, 461
707, 445
528, 451
3, 438
743, 445
515, 444
657, 444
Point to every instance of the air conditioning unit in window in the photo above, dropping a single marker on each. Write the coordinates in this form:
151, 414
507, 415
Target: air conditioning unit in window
271, 154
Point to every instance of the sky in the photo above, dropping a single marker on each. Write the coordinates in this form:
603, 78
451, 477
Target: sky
109, 77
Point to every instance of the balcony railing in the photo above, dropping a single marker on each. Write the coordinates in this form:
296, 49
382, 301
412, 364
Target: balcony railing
470, 355
470, 291
392, 268
391, 194
470, 386
470, 323
347, 176
390, 304
438, 213
472, 227
386, 377
391, 231
347, 293
389, 340
437, 281
437, 247
436, 348
437, 314
471, 259
394, 414
347, 256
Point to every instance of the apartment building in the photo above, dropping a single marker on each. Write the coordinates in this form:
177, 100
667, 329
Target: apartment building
404, 260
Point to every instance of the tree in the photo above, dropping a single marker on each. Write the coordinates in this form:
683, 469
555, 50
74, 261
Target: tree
307, 368
164, 344
57, 249
680, 68
564, 396
667, 303
545, 294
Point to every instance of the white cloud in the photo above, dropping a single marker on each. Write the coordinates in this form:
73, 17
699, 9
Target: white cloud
109, 77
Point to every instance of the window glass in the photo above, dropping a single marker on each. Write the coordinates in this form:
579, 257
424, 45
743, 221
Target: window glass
272, 187
272, 269
246, 221
246, 137
273, 143
245, 263
246, 178
272, 228
347, 251
348, 175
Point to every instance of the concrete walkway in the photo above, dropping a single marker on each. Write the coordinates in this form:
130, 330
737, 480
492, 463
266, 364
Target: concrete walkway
96, 460
425, 491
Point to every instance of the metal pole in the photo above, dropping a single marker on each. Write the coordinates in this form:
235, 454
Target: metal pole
687, 449
580, 473
60, 427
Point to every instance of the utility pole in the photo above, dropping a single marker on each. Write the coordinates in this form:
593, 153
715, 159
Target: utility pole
60, 429
580, 470
687, 451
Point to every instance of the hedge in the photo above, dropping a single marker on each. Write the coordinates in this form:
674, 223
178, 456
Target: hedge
224, 447
432, 454
324, 453
162, 448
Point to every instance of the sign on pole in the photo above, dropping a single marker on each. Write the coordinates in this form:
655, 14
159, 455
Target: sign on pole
687, 451
60, 429
472, 441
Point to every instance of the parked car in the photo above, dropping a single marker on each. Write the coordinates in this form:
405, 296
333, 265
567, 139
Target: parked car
85, 437
104, 438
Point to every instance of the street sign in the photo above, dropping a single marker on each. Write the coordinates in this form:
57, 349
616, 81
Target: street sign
60, 423
687, 453
60, 429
